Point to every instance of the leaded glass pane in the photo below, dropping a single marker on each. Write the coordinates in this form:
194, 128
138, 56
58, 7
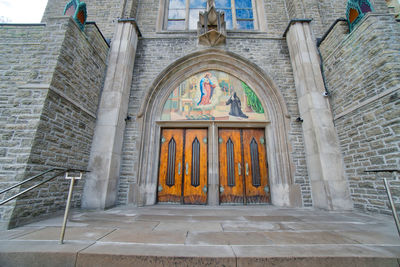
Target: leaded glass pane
243, 4
177, 4
245, 24
194, 18
202, 4
176, 25
228, 18
176, 14
221, 4
244, 13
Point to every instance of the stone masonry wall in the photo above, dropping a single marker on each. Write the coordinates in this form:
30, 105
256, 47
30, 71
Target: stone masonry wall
363, 75
64, 116
103, 12
151, 60
28, 55
325, 12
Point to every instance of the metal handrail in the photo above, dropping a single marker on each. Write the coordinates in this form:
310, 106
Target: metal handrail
29, 179
36, 185
45, 181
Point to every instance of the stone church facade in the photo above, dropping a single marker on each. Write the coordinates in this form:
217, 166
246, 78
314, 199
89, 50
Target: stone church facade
141, 102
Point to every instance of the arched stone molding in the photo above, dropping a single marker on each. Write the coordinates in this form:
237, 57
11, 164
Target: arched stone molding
283, 191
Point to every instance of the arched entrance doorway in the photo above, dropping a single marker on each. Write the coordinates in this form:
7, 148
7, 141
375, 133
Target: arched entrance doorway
213, 98
158, 114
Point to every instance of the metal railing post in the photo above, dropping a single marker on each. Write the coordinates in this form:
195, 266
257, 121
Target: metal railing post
71, 187
395, 216
389, 194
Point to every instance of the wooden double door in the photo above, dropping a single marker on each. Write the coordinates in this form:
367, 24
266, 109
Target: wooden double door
183, 166
243, 171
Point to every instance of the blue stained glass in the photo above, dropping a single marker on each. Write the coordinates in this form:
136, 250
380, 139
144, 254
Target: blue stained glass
228, 18
198, 4
244, 13
219, 4
176, 14
174, 4
176, 25
243, 4
245, 24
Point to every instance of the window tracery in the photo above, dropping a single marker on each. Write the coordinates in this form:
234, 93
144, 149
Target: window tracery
184, 14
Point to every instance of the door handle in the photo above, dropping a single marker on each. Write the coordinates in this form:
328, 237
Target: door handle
187, 168
179, 168
247, 169
239, 169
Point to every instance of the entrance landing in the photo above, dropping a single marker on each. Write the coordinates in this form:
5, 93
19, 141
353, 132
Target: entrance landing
166, 235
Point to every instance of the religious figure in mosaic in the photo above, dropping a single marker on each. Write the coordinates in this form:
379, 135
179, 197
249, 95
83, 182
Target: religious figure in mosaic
236, 106
213, 95
206, 89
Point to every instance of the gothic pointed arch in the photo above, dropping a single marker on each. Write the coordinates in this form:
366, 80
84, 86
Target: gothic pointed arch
284, 191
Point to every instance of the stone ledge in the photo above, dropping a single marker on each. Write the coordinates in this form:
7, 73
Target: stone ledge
366, 102
58, 92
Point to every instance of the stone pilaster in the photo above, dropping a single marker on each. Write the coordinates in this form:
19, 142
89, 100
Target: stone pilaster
101, 184
324, 161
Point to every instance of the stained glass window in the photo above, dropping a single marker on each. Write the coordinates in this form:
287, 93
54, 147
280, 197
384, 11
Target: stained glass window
195, 6
244, 14
226, 6
184, 14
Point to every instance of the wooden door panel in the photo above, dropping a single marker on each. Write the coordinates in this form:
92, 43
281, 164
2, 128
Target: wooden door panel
230, 166
256, 170
171, 160
195, 171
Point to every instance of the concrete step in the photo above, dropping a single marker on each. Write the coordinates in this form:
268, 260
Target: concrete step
50, 253
205, 236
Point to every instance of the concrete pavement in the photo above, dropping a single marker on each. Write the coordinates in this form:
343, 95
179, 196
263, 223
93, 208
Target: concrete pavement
171, 235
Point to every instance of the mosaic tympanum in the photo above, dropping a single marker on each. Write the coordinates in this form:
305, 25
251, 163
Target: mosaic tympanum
213, 95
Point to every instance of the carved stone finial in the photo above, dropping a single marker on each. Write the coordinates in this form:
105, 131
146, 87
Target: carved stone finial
211, 27
210, 4
77, 10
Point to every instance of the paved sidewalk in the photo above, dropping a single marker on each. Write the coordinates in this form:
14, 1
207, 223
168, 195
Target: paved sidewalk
167, 235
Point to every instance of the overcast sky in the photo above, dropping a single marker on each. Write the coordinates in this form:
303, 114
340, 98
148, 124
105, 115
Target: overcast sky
22, 11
